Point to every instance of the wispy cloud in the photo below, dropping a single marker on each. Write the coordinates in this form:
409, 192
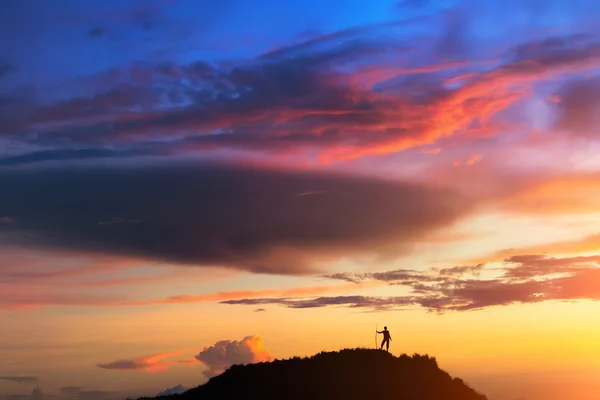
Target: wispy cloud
524, 279
150, 363
20, 379
18, 300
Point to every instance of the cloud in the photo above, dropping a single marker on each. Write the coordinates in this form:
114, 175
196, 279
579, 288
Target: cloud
524, 279
579, 107
216, 358
225, 353
348, 94
17, 299
19, 379
151, 363
225, 295
373, 302
6, 220
80, 393
36, 394
466, 269
171, 391
237, 217
67, 154
260, 310
569, 247
552, 194
70, 391
22, 266
387, 276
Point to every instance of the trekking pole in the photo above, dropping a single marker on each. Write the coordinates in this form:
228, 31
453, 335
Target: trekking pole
375, 335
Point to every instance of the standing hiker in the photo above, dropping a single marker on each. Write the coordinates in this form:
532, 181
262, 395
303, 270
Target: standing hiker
386, 338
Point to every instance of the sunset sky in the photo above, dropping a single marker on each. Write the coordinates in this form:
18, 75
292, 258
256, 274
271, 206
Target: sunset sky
188, 184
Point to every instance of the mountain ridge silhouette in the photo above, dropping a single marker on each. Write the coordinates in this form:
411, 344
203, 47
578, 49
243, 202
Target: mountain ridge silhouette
345, 374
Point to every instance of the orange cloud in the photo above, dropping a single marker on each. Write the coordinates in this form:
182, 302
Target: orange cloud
481, 97
223, 354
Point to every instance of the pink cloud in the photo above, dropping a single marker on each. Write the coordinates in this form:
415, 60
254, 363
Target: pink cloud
151, 363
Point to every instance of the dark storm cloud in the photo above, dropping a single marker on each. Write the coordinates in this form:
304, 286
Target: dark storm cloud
215, 215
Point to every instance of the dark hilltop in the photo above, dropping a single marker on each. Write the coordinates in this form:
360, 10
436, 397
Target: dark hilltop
347, 374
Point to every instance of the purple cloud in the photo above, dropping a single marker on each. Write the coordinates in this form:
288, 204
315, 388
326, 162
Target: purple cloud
525, 279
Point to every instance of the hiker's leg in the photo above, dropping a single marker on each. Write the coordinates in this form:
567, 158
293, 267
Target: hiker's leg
387, 345
382, 343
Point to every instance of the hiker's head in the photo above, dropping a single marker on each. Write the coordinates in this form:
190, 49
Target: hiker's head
385, 328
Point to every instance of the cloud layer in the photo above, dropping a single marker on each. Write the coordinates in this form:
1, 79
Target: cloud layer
523, 279
370, 89
207, 215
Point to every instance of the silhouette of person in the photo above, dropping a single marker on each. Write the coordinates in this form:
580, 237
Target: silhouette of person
386, 338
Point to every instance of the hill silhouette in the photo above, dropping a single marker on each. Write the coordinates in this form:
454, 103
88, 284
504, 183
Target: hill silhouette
347, 374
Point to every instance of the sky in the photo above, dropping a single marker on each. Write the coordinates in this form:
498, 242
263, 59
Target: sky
189, 184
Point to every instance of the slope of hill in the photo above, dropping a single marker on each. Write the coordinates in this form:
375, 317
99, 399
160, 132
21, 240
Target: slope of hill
347, 374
